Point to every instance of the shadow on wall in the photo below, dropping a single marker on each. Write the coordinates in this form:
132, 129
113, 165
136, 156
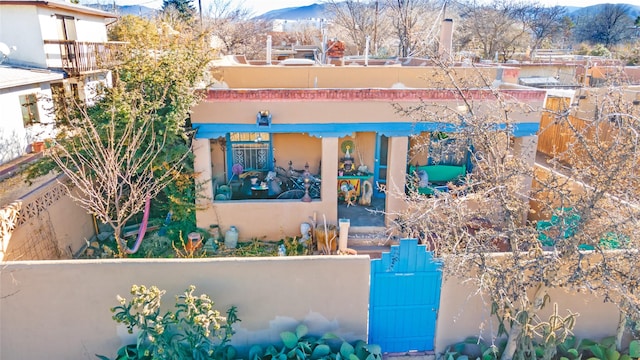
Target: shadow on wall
13, 144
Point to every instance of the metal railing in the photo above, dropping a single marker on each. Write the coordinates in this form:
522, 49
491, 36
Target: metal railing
78, 57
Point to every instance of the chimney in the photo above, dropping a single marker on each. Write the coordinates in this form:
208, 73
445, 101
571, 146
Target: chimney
268, 50
446, 41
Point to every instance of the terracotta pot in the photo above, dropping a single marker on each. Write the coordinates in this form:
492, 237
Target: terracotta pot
37, 146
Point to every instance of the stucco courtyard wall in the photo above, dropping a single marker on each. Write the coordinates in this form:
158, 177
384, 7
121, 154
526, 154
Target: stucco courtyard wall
464, 313
45, 224
60, 309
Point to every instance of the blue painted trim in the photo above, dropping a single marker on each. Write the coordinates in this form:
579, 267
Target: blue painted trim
214, 131
229, 155
376, 168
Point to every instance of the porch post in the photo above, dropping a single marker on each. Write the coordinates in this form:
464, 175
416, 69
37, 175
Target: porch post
526, 148
330, 178
202, 168
396, 176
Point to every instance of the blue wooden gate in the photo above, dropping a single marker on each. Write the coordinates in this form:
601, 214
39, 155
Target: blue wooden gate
404, 298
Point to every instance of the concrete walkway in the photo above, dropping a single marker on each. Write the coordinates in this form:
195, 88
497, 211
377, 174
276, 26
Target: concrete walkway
410, 356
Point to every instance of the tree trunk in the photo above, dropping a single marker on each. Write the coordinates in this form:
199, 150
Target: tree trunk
622, 325
512, 342
121, 242
517, 329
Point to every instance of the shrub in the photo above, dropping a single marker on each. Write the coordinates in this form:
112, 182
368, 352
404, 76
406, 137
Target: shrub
194, 330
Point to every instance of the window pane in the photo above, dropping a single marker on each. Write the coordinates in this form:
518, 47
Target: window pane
238, 137
29, 105
251, 155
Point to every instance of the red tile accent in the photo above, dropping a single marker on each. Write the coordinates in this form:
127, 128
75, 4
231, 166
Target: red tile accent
387, 95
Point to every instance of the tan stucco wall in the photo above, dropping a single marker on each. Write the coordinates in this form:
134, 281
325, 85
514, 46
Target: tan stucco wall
331, 112
60, 309
463, 313
300, 149
566, 74
256, 77
396, 177
365, 148
52, 226
593, 97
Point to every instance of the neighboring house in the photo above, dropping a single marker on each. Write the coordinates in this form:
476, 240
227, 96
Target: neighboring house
263, 117
61, 49
25, 114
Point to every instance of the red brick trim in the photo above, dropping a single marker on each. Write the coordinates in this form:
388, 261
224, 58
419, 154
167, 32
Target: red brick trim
387, 95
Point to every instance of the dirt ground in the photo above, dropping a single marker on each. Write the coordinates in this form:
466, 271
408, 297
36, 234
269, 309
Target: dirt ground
14, 187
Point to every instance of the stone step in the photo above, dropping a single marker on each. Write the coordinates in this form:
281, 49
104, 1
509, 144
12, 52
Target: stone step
374, 252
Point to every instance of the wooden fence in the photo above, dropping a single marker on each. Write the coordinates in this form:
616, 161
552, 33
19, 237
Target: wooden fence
556, 135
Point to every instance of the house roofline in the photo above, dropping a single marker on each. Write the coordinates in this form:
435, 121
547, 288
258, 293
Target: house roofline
63, 6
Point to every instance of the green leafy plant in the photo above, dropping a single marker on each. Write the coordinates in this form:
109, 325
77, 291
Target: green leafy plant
194, 330
603, 350
569, 349
294, 247
298, 345
476, 348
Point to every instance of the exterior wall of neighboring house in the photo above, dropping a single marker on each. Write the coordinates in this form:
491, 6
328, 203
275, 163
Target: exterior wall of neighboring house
565, 73
587, 100
348, 77
27, 27
15, 135
20, 27
332, 104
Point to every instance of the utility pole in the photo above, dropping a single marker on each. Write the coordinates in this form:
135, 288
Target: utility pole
375, 31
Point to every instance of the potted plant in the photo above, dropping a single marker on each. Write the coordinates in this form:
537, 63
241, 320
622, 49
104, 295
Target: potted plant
37, 146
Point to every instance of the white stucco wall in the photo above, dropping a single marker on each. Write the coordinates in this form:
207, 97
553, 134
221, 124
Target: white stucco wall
14, 138
19, 27
27, 26
88, 27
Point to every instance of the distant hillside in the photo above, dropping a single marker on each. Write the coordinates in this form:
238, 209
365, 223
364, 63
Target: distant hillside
320, 11
633, 10
137, 10
313, 11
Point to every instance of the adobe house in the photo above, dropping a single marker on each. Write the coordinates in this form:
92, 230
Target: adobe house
336, 120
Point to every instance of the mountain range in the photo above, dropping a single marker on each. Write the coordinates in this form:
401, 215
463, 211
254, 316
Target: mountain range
319, 11
316, 11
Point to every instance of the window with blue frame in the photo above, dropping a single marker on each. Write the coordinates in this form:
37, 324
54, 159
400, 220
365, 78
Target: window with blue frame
251, 150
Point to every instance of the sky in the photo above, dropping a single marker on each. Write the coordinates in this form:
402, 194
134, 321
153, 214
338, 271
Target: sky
261, 6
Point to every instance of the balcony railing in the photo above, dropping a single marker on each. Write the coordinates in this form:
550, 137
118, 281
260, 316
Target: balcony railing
78, 57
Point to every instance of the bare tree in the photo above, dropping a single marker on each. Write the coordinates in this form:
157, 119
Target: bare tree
411, 22
609, 26
230, 25
594, 206
545, 23
359, 19
498, 27
116, 167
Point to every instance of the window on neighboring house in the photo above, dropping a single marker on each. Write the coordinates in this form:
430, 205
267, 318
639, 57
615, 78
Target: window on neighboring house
66, 27
29, 105
251, 150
